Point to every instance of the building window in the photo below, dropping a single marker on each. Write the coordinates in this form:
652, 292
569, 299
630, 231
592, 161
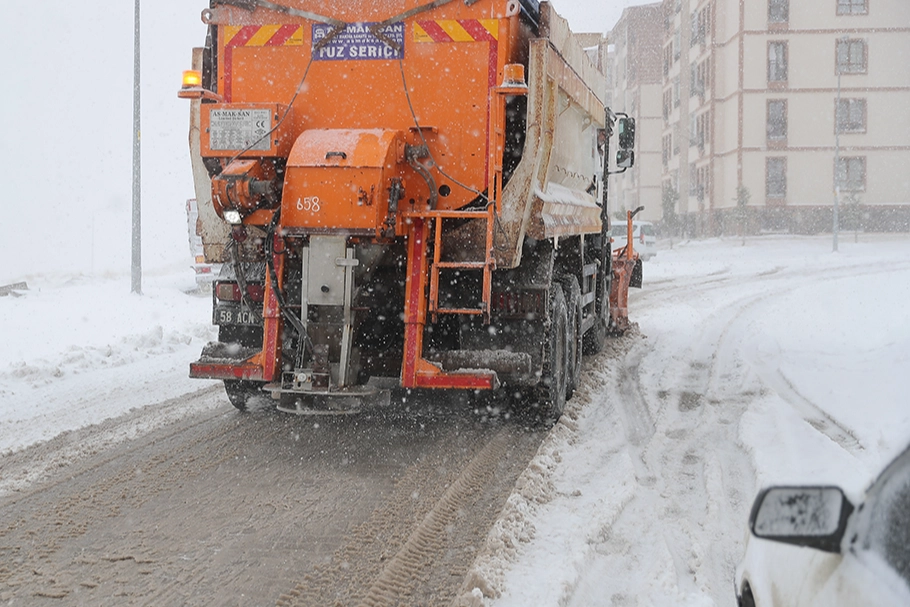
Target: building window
850, 174
699, 25
776, 177
677, 45
702, 132
676, 91
851, 56
850, 115
701, 189
852, 7
777, 119
778, 11
700, 78
704, 23
777, 62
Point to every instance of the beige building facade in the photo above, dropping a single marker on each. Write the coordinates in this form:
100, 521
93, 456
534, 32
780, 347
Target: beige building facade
635, 82
786, 105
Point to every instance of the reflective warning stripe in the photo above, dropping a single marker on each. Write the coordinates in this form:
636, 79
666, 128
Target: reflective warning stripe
461, 30
263, 35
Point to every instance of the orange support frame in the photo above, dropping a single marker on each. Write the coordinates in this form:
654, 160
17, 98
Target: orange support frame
270, 357
416, 371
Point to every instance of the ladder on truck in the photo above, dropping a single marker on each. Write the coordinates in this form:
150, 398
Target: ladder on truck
417, 372
486, 265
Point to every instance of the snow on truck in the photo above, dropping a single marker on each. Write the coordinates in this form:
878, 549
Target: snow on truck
403, 194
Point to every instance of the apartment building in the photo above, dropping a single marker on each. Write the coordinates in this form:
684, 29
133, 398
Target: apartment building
597, 48
635, 82
787, 106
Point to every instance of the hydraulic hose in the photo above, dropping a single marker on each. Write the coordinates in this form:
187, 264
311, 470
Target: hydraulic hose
304, 338
241, 280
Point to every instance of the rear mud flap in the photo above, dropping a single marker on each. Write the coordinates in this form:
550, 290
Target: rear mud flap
635, 279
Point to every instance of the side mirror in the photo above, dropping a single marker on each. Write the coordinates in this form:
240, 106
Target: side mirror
626, 133
625, 159
814, 517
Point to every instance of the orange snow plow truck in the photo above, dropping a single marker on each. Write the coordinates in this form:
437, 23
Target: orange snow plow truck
404, 194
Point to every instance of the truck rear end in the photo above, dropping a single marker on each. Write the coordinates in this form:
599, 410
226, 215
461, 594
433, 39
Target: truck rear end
403, 194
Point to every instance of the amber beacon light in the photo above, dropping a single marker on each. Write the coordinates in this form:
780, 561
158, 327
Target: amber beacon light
191, 87
192, 79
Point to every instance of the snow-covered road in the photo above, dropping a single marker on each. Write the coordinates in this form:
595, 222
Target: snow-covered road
772, 362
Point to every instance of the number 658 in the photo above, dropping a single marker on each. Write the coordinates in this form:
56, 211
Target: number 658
309, 203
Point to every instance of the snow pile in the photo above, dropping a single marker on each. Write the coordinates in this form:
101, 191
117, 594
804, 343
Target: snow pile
80, 350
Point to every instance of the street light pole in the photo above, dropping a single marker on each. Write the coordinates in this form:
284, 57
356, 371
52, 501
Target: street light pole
136, 265
838, 113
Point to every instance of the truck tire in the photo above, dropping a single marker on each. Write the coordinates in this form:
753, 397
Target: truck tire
551, 401
241, 392
572, 292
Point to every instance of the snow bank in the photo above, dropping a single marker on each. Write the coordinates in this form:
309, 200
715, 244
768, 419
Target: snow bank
81, 350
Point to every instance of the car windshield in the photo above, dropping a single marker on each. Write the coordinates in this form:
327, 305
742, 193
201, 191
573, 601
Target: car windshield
889, 516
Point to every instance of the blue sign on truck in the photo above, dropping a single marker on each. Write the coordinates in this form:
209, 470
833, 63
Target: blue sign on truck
357, 42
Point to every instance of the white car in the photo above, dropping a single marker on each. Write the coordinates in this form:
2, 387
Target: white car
644, 238
809, 546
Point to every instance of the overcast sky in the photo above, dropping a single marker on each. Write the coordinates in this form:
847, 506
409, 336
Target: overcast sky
594, 15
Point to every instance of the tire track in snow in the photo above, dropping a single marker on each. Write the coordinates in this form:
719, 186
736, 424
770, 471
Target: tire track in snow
428, 538
703, 393
717, 346
811, 413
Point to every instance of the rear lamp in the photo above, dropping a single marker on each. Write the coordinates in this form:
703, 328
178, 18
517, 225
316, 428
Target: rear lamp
227, 291
232, 217
230, 291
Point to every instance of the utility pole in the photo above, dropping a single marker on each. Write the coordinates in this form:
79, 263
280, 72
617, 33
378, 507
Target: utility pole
136, 265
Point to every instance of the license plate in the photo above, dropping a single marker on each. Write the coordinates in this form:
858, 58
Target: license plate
234, 316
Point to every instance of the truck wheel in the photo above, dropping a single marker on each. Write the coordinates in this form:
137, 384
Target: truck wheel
241, 392
552, 390
572, 292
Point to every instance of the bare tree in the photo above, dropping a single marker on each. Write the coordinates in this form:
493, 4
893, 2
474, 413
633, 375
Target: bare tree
742, 208
669, 198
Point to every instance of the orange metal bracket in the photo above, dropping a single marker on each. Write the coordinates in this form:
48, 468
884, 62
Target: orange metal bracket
497, 140
269, 358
